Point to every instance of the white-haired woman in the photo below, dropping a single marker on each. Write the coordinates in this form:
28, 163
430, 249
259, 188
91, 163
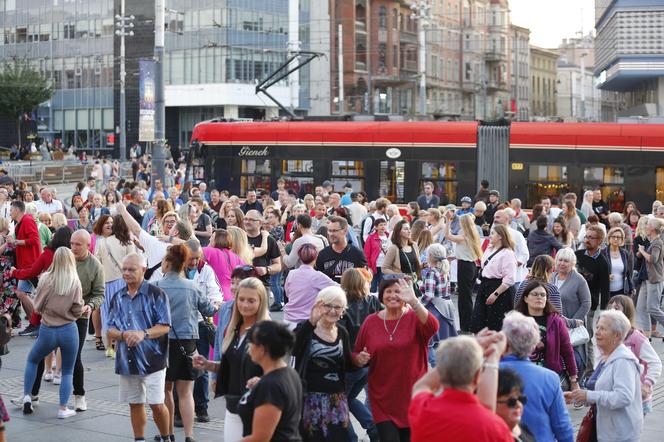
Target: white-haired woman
322, 355
394, 216
574, 296
615, 386
436, 296
544, 414
59, 299
587, 204
648, 305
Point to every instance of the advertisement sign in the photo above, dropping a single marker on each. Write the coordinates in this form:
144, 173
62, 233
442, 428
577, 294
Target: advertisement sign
146, 86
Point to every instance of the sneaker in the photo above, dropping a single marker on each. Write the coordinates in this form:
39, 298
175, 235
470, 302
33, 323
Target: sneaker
67, 412
276, 307
48, 376
57, 379
110, 353
30, 330
27, 404
202, 417
18, 402
80, 403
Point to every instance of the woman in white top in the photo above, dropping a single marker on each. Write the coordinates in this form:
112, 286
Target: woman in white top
587, 204
468, 251
620, 266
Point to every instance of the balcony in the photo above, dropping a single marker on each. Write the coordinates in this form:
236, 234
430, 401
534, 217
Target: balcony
408, 37
497, 85
409, 65
495, 55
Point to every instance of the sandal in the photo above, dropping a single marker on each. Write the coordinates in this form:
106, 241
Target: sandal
99, 343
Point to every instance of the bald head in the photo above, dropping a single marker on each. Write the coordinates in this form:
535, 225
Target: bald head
252, 222
500, 217
80, 244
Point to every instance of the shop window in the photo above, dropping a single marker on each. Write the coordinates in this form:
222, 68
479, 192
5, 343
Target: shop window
546, 180
298, 175
444, 179
255, 174
392, 174
611, 181
348, 172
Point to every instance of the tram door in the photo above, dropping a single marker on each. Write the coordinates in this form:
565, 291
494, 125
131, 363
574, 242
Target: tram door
392, 175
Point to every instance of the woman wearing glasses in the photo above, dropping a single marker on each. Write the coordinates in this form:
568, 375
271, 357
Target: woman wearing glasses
322, 358
620, 266
554, 351
510, 402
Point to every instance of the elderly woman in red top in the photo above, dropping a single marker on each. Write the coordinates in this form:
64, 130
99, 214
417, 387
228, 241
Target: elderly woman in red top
394, 344
495, 295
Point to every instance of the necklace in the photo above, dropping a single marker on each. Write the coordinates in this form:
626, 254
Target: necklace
391, 335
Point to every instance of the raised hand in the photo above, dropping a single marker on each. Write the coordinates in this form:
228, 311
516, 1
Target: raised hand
316, 313
363, 357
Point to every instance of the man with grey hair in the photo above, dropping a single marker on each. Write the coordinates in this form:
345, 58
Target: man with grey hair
520, 217
457, 412
545, 413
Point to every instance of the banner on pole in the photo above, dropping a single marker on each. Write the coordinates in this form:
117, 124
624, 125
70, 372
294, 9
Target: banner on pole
146, 85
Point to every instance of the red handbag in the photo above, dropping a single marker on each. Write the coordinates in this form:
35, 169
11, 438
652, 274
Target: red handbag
588, 428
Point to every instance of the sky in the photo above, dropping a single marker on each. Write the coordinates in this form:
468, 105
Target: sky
550, 21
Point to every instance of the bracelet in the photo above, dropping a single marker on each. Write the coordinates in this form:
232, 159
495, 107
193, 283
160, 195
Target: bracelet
493, 365
122, 336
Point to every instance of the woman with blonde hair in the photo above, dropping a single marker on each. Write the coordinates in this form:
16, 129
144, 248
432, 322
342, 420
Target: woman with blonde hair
309, 203
58, 220
468, 251
436, 224
394, 216
240, 244
59, 300
494, 297
587, 204
222, 222
236, 369
424, 240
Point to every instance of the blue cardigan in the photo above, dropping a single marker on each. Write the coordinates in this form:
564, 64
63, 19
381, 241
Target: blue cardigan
545, 413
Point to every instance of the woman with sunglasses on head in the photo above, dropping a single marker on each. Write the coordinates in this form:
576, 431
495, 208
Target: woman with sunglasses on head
234, 368
620, 264
394, 344
322, 355
554, 351
510, 402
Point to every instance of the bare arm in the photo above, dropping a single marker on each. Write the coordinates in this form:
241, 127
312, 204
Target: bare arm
450, 236
266, 418
132, 224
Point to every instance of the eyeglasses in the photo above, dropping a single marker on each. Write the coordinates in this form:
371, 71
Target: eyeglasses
334, 230
244, 268
336, 308
512, 402
537, 294
592, 237
616, 237
251, 220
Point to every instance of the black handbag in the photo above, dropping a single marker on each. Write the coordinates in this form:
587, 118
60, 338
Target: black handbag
416, 286
210, 330
189, 356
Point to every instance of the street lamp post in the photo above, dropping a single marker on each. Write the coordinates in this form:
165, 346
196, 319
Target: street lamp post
159, 152
124, 28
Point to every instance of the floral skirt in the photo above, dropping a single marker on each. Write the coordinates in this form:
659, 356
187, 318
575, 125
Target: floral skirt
325, 416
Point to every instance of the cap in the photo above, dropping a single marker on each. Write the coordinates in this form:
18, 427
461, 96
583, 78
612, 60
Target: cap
495, 192
466, 199
450, 207
326, 183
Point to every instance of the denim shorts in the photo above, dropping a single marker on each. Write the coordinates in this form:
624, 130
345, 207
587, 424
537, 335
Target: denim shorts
25, 286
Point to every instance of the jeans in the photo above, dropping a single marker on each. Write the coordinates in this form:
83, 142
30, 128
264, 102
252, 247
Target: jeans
580, 361
201, 397
277, 290
50, 338
375, 282
355, 382
82, 325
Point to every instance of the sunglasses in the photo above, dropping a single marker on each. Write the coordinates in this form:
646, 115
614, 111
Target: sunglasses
245, 268
511, 402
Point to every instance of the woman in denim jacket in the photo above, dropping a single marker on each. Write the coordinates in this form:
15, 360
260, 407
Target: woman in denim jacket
186, 301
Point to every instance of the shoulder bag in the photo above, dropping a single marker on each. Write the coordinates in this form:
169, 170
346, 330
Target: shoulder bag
578, 335
413, 275
588, 428
189, 356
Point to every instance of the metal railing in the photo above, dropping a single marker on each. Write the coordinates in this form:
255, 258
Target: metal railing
54, 172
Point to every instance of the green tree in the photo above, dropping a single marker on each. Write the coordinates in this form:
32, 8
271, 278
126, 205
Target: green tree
22, 89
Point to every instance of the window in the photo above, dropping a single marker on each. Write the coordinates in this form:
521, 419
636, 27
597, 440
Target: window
545, 180
382, 17
382, 56
611, 181
348, 172
255, 175
395, 19
444, 178
298, 175
659, 183
392, 180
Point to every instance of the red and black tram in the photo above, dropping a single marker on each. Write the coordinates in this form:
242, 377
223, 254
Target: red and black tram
393, 159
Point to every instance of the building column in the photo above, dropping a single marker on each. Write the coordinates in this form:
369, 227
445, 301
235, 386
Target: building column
660, 96
271, 112
231, 112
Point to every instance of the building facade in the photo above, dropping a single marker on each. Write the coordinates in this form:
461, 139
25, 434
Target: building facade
577, 97
629, 54
543, 81
520, 73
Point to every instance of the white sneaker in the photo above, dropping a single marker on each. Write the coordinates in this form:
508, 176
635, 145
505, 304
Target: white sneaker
27, 404
18, 401
48, 377
80, 403
57, 379
67, 412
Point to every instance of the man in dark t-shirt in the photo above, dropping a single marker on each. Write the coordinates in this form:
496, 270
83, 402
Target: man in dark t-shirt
339, 256
270, 262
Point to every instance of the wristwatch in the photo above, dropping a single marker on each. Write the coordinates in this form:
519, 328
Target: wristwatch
268, 271
147, 334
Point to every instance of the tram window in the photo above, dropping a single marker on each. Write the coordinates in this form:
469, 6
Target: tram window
443, 177
348, 172
659, 183
545, 180
392, 180
611, 181
298, 175
297, 166
255, 174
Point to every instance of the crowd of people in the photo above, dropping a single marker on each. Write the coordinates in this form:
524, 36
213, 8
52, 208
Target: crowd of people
178, 283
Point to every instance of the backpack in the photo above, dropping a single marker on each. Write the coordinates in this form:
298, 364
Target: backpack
362, 225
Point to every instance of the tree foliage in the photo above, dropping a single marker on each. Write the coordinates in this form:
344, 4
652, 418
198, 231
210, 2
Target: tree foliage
22, 89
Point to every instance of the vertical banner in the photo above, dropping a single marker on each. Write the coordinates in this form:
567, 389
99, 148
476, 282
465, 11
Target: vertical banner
146, 85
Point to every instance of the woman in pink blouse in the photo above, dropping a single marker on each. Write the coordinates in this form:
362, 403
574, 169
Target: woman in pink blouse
494, 297
223, 261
